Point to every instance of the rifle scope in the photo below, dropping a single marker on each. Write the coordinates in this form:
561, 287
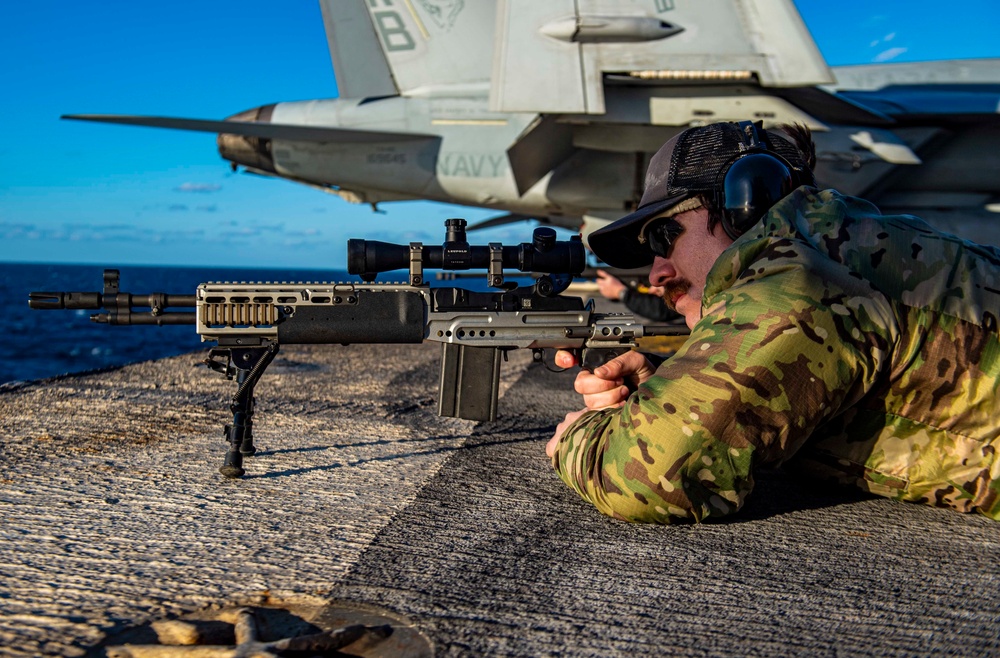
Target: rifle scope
544, 254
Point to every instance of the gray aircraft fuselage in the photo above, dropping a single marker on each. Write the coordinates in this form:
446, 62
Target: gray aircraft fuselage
551, 111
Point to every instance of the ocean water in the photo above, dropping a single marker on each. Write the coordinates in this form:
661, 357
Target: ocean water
36, 344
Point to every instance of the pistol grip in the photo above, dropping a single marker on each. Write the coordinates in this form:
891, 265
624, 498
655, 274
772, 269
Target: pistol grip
591, 358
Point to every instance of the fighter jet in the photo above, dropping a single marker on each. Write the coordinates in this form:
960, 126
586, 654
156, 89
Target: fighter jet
551, 110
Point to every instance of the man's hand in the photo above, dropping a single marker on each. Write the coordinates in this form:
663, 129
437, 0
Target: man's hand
606, 386
609, 286
603, 388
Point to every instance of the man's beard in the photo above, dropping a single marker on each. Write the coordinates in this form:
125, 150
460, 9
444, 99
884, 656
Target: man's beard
675, 289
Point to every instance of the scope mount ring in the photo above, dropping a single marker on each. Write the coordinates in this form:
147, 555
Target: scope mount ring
416, 263
494, 274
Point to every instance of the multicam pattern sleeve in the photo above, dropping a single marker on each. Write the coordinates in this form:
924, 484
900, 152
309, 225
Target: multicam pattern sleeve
787, 340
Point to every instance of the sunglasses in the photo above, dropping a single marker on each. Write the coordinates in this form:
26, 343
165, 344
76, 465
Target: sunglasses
661, 235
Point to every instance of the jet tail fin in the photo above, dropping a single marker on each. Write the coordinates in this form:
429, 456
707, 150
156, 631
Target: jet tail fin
382, 48
358, 61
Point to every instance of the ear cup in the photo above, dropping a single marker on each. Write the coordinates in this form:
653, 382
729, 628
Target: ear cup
750, 186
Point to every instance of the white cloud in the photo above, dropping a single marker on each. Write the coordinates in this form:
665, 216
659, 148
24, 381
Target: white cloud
889, 37
240, 232
874, 20
203, 188
275, 228
304, 233
90, 233
12, 230
887, 55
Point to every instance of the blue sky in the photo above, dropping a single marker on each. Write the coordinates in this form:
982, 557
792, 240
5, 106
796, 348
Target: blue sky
86, 193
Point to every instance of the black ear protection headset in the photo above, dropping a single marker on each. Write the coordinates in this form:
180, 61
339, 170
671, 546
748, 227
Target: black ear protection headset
753, 181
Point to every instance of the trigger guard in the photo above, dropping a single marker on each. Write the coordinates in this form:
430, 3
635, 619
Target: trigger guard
538, 356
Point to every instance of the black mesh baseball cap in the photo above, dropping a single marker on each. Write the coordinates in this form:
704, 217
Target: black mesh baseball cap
688, 164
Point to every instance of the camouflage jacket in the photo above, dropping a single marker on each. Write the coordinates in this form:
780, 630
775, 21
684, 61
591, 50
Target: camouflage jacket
855, 346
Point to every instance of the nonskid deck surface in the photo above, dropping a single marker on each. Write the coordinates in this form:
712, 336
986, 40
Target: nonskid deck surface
115, 515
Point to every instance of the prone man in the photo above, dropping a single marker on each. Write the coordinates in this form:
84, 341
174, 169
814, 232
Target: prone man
844, 344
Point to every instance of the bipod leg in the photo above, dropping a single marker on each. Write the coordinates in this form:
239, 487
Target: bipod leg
250, 363
246, 407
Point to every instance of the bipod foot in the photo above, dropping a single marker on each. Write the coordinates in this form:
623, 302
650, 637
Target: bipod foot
232, 467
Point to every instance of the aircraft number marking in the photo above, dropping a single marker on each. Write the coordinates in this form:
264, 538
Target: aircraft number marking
471, 165
386, 158
391, 27
664, 5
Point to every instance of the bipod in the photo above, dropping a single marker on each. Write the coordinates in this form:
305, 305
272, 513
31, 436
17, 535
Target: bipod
247, 364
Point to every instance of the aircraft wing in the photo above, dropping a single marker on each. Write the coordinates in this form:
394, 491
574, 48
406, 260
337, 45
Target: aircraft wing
940, 73
500, 220
947, 88
263, 129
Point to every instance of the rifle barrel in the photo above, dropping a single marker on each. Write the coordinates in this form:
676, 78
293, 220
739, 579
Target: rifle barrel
146, 318
665, 330
96, 300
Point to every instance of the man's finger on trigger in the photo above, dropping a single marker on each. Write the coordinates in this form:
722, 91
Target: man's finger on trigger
564, 359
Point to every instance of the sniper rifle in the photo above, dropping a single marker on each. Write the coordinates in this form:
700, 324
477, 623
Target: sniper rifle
248, 321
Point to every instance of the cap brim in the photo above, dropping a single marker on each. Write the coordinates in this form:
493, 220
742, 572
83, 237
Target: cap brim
618, 245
